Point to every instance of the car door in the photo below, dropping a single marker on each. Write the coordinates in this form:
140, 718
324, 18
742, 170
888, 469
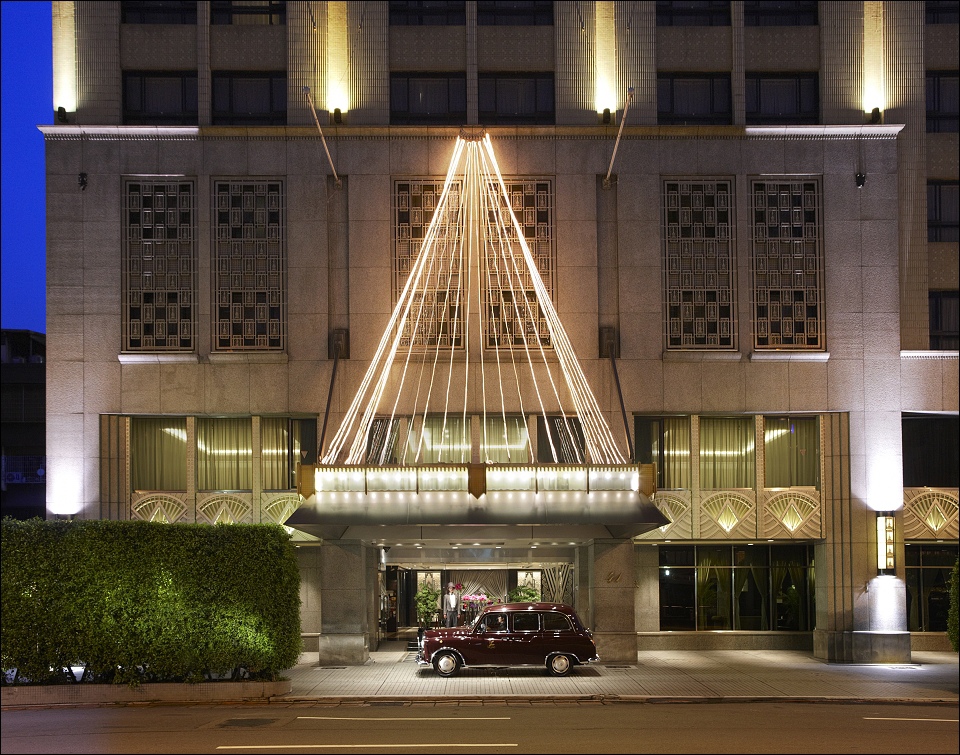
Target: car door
489, 645
526, 646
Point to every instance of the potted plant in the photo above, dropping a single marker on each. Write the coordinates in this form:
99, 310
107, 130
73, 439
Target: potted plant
427, 602
523, 594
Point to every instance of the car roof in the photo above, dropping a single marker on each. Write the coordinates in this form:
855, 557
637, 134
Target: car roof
559, 607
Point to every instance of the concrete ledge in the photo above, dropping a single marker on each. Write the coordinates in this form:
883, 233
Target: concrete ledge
862, 647
724, 640
100, 694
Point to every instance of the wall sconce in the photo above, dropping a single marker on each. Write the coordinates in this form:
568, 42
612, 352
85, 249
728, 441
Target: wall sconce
606, 115
337, 116
82, 181
61, 114
875, 116
861, 179
886, 556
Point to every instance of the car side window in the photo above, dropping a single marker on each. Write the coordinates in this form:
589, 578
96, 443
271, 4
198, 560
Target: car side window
495, 622
526, 622
555, 622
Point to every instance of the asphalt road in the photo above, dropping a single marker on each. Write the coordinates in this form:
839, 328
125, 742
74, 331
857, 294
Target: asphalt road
459, 727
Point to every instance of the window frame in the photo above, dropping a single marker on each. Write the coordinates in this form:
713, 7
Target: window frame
175, 12
519, 13
944, 328
714, 12
939, 120
939, 228
757, 13
544, 97
276, 116
720, 113
754, 81
186, 116
229, 13
427, 13
941, 12
456, 93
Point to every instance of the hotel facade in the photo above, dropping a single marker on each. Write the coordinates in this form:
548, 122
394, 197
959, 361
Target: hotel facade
733, 235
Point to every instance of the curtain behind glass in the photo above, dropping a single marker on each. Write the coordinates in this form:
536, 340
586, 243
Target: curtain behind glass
792, 451
158, 453
727, 458
224, 454
676, 452
280, 445
445, 441
505, 442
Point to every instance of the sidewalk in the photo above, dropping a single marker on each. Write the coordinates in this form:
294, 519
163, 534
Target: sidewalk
392, 674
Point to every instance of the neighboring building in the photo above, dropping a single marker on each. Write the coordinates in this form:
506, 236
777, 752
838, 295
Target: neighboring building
745, 214
23, 480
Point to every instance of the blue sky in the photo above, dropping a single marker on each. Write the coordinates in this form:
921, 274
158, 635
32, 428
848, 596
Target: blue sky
26, 100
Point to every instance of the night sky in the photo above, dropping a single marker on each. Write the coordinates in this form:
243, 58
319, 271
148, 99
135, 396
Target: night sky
27, 101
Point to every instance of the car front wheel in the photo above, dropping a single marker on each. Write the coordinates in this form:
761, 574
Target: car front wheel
446, 663
559, 665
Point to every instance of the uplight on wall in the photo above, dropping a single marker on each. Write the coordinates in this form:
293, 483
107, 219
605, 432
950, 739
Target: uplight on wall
886, 555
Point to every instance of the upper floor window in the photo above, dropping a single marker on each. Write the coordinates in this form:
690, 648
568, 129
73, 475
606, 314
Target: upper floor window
158, 453
427, 13
943, 210
780, 13
160, 98
248, 12
942, 11
224, 453
285, 441
931, 450
516, 98
693, 13
944, 320
943, 101
515, 13
159, 265
158, 11
693, 99
727, 453
787, 99
560, 440
665, 441
428, 98
791, 452
249, 99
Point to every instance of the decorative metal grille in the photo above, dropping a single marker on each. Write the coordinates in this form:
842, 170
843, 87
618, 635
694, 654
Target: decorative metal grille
699, 264
441, 295
249, 265
159, 272
787, 264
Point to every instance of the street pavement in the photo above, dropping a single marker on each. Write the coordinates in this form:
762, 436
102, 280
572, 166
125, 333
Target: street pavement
392, 674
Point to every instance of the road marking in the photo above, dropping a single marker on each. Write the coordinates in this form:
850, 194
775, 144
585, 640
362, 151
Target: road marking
444, 746
880, 718
407, 718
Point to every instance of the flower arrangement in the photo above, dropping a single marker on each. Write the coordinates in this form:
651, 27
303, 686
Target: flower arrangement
475, 601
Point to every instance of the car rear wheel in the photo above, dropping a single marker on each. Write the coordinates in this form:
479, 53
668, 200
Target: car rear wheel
446, 663
559, 665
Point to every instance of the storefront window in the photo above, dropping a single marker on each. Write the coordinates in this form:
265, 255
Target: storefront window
727, 453
224, 453
665, 441
792, 452
927, 575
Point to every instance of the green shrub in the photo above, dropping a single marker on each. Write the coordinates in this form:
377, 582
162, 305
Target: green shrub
523, 594
427, 601
144, 601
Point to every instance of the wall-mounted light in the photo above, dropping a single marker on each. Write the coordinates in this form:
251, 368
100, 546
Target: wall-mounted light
337, 115
886, 555
61, 114
606, 115
875, 116
861, 179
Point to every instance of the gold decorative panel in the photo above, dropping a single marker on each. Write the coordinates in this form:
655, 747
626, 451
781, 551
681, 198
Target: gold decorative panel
278, 508
676, 507
225, 509
726, 514
792, 514
159, 508
930, 514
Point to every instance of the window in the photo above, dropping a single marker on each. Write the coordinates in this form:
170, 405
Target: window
284, 442
942, 11
665, 441
943, 102
780, 13
699, 267
791, 452
249, 99
23, 403
427, 13
792, 99
158, 12
517, 98
516, 13
927, 577
944, 320
943, 211
250, 311
159, 272
787, 264
727, 453
739, 587
224, 453
931, 449
248, 12
527, 621
693, 13
158, 453
684, 99
160, 97
560, 440
428, 98
555, 622
505, 441
442, 440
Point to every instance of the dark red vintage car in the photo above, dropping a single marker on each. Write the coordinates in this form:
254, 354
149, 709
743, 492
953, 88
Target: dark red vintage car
512, 634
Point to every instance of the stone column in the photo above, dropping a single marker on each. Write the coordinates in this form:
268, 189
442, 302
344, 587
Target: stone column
345, 593
612, 567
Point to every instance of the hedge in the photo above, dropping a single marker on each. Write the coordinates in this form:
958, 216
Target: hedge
130, 602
